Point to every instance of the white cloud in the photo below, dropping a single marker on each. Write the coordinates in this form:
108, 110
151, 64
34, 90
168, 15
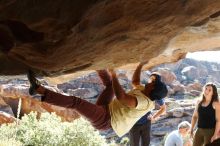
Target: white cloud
211, 56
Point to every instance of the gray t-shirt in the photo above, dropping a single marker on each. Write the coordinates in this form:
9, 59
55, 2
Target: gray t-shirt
174, 139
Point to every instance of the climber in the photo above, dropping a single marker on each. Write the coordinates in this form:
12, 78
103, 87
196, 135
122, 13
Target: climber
119, 113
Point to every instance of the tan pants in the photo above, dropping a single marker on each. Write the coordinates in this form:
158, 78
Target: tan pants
202, 136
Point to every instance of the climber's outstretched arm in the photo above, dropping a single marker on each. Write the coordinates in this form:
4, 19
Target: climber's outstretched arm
120, 93
137, 74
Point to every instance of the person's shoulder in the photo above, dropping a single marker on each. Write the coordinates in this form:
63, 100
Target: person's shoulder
139, 87
176, 135
173, 135
198, 101
216, 104
160, 101
136, 89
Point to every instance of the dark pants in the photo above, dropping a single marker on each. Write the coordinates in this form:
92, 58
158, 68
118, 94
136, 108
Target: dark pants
140, 132
214, 143
98, 114
203, 136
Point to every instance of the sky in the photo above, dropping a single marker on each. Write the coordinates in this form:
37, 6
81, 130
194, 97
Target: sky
211, 56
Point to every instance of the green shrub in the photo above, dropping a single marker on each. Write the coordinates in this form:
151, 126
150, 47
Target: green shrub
49, 130
124, 141
10, 142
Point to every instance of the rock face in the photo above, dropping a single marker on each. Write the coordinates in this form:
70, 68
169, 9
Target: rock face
10, 95
190, 76
60, 37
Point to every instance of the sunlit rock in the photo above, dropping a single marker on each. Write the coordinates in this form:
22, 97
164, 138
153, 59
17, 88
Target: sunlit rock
80, 36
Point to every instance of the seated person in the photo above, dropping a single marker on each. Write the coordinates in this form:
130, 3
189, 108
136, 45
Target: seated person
176, 137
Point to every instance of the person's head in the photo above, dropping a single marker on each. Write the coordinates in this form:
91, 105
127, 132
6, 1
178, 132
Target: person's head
210, 93
184, 128
155, 89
